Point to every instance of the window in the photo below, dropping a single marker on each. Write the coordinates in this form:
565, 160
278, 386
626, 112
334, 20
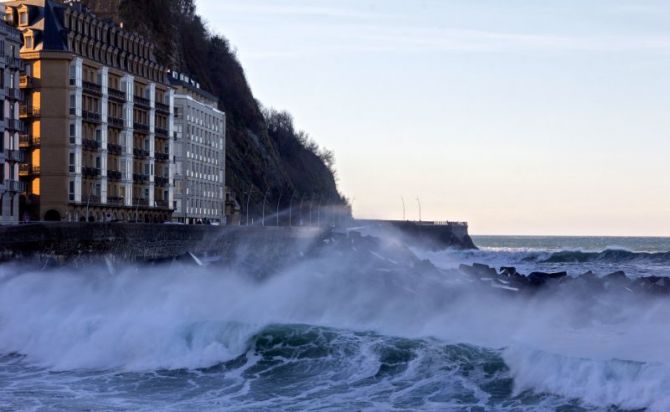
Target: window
23, 18
29, 41
71, 191
71, 163
73, 133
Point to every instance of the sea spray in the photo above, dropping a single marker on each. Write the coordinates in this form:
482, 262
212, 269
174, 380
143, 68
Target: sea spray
342, 328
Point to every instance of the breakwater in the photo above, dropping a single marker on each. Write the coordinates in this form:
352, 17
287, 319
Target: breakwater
432, 235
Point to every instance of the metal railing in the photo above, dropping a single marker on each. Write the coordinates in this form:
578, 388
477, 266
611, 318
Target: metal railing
114, 175
15, 186
162, 107
115, 122
90, 116
161, 132
91, 87
90, 144
29, 111
116, 94
141, 127
142, 101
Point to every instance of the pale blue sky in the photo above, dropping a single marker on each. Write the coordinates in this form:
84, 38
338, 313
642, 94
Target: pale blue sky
521, 117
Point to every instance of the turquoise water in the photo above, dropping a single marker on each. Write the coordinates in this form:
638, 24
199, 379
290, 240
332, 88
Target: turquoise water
338, 331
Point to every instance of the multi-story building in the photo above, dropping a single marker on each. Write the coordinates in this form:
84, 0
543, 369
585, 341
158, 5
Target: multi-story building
200, 154
99, 116
10, 95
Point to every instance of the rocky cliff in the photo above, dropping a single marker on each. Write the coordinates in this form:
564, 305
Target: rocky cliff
258, 159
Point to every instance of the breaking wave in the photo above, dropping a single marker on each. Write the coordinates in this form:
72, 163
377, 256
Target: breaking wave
339, 330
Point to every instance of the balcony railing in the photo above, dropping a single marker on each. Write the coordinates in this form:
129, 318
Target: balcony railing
13, 62
140, 202
162, 107
24, 140
115, 122
27, 170
90, 116
141, 101
14, 125
115, 149
29, 111
116, 201
141, 153
141, 127
161, 181
13, 94
92, 88
163, 204
116, 94
140, 178
114, 175
90, 199
18, 156
15, 186
26, 82
90, 144
161, 133
90, 171
162, 157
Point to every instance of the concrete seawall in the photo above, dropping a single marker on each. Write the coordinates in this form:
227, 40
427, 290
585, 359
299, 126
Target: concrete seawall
150, 241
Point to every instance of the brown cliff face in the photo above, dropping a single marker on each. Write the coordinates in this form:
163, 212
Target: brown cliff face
253, 160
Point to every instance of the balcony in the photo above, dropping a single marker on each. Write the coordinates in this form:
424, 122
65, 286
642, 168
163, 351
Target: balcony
140, 153
116, 201
162, 157
162, 204
26, 111
90, 144
13, 62
115, 122
162, 107
114, 149
161, 133
90, 199
28, 170
142, 102
116, 94
92, 88
90, 172
26, 82
13, 94
90, 117
141, 202
14, 125
25, 140
161, 181
141, 127
140, 178
114, 175
15, 186
18, 156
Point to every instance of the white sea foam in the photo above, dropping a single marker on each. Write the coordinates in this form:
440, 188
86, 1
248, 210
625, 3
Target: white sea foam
605, 351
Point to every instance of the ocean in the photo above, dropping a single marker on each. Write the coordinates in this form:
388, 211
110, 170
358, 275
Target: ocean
338, 331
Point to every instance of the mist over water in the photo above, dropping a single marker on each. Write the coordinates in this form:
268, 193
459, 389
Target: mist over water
344, 328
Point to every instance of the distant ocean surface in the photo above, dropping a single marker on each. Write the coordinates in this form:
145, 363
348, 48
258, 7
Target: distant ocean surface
333, 333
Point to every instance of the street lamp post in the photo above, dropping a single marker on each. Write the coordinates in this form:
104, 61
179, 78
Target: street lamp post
418, 201
265, 196
403, 208
248, 200
290, 210
278, 202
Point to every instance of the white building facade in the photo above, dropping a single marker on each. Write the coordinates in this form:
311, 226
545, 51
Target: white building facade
200, 154
10, 126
